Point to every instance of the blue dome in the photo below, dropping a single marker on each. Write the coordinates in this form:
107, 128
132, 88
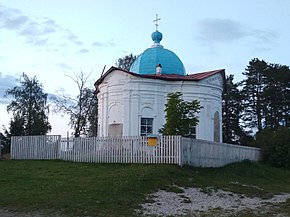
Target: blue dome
147, 61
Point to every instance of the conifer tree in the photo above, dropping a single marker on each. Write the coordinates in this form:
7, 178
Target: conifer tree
232, 112
266, 94
277, 96
126, 62
252, 91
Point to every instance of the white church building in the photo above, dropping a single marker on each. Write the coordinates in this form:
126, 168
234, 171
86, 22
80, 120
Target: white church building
132, 103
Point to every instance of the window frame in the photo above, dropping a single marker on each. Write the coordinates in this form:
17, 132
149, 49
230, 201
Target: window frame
146, 125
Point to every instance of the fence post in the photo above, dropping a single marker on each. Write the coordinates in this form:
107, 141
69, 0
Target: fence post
59, 147
180, 150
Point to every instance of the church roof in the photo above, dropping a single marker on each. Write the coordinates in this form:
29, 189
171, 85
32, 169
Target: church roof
192, 77
146, 63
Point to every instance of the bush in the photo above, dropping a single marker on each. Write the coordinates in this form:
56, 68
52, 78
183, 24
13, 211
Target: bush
275, 146
5, 144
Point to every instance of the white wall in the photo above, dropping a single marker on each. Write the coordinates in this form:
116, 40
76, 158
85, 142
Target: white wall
124, 98
202, 153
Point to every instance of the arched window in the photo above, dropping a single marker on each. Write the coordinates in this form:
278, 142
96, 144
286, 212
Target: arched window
146, 122
217, 127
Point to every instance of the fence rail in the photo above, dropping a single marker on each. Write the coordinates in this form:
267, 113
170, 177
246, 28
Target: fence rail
169, 150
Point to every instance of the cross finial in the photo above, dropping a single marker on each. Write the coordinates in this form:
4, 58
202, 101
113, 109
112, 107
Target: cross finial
156, 21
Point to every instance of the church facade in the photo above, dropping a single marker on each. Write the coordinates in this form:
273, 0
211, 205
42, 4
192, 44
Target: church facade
132, 103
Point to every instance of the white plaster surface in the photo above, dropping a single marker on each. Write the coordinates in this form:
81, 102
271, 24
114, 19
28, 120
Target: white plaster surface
134, 97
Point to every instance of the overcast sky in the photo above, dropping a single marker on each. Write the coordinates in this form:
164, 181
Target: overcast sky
54, 38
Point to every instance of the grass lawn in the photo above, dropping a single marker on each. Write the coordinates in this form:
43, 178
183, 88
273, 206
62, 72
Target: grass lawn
82, 189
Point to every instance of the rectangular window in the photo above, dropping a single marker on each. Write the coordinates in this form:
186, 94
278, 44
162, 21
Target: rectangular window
146, 126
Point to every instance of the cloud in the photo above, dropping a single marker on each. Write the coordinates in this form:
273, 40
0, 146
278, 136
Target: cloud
64, 66
10, 81
6, 82
12, 18
98, 44
217, 31
103, 44
263, 36
71, 37
82, 51
37, 31
33, 28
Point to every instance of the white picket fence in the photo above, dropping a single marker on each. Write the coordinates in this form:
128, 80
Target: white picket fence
97, 149
35, 147
169, 150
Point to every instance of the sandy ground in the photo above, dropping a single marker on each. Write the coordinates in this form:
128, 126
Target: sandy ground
195, 201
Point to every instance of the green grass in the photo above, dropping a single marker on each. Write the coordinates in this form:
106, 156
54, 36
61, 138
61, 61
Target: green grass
81, 189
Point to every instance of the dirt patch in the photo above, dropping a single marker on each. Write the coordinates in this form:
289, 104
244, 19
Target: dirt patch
5, 156
195, 201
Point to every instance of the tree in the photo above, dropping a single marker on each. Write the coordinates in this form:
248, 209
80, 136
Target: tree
29, 109
90, 102
232, 111
277, 96
275, 146
126, 62
266, 92
252, 90
181, 116
82, 109
4, 145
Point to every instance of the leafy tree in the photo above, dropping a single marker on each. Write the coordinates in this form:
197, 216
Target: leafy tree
126, 62
275, 146
232, 112
82, 109
29, 109
181, 116
90, 107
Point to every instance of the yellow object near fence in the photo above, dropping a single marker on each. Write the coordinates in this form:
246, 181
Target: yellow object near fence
152, 140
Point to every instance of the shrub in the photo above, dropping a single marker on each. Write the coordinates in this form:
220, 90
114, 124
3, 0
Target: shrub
275, 146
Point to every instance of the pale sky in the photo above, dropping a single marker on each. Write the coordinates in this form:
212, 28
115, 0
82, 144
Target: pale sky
53, 38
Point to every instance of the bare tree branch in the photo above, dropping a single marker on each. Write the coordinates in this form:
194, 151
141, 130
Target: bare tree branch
82, 109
